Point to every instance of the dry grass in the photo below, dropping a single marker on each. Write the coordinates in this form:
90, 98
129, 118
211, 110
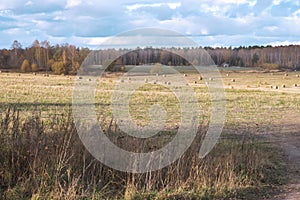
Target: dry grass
43, 157
49, 162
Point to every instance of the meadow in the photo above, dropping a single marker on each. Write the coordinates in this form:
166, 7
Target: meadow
43, 157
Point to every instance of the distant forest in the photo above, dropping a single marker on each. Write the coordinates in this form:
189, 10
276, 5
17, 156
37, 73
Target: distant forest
66, 59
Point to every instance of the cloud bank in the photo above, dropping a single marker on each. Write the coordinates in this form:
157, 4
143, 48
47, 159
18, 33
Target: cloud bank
210, 23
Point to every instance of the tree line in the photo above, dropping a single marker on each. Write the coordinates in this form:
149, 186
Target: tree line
41, 56
67, 59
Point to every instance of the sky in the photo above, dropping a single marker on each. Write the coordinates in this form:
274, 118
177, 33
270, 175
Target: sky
87, 23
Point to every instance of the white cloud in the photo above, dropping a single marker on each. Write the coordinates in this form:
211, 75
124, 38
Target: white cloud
29, 3
250, 3
215, 10
284, 43
222, 7
237, 2
73, 3
89, 41
42, 25
296, 13
179, 24
172, 6
6, 13
59, 18
271, 28
277, 2
12, 30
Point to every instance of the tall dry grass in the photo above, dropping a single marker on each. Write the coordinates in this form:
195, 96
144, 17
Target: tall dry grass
45, 159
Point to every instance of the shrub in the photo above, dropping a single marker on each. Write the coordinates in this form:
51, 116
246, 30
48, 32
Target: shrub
109, 65
25, 67
34, 67
269, 66
58, 68
50, 63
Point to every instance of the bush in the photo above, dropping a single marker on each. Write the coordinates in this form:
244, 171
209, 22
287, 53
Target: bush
109, 65
269, 66
34, 67
75, 68
50, 63
25, 67
58, 68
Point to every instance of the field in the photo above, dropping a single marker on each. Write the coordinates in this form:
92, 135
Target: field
255, 157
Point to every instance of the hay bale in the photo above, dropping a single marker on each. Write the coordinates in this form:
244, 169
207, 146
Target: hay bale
227, 75
80, 77
286, 75
276, 87
155, 82
283, 86
185, 75
200, 78
169, 83
211, 79
195, 82
231, 87
271, 86
164, 75
233, 80
295, 85
122, 80
297, 75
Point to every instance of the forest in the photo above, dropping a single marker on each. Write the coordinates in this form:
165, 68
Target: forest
66, 58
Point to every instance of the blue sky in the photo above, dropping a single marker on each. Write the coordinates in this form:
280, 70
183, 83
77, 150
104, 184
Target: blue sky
208, 22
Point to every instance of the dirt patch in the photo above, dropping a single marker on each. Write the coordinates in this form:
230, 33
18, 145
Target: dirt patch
286, 134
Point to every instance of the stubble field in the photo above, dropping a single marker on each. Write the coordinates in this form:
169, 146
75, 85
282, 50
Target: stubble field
43, 157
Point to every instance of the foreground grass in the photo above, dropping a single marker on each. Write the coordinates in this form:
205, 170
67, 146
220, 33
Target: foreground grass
49, 162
